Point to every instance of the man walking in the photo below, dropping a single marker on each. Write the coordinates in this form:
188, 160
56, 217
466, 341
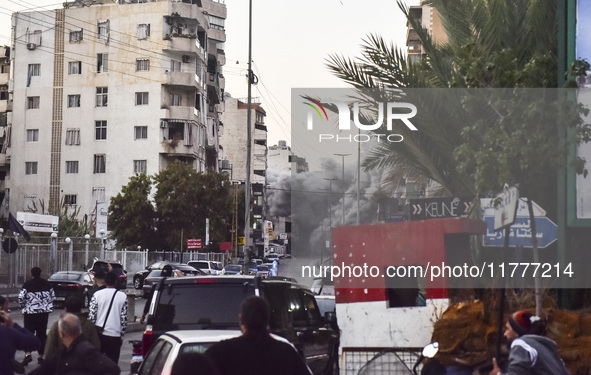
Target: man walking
36, 299
77, 355
256, 351
531, 353
108, 311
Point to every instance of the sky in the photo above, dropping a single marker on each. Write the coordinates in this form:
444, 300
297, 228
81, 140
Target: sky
291, 41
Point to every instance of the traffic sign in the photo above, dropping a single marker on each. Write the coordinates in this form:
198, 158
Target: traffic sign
194, 243
520, 233
437, 208
506, 208
488, 209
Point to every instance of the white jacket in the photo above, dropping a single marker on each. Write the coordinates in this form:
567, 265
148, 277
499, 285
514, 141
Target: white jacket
99, 305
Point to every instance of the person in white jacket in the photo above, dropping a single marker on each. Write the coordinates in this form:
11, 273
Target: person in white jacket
108, 311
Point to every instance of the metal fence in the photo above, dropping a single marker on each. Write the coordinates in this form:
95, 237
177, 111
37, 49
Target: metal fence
78, 254
378, 361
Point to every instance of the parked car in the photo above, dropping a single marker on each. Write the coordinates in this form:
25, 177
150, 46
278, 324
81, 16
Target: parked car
295, 314
232, 269
155, 275
116, 267
273, 256
208, 266
138, 278
72, 283
263, 270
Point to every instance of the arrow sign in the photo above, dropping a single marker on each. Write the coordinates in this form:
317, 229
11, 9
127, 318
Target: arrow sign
520, 233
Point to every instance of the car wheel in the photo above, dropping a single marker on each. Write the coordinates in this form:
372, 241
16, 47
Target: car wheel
137, 282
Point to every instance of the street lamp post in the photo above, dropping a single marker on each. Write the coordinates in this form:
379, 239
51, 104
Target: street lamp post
102, 233
53, 256
344, 187
330, 180
87, 238
70, 252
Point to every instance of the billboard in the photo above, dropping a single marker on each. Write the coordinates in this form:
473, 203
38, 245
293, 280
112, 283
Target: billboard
37, 223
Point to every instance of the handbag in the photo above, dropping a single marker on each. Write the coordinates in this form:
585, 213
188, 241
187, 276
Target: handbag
101, 329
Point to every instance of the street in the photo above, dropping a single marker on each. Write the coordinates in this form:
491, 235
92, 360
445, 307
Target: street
287, 267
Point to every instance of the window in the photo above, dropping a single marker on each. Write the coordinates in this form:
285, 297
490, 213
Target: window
102, 62
73, 100
102, 94
216, 22
76, 35
34, 70
72, 167
32, 102
140, 132
141, 98
175, 66
70, 199
34, 37
103, 30
175, 100
31, 167
98, 194
100, 128
142, 65
73, 137
29, 202
139, 166
143, 31
75, 67
99, 163
32, 135
406, 291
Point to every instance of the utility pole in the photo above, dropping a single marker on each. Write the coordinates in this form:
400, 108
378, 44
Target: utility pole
247, 240
330, 180
344, 186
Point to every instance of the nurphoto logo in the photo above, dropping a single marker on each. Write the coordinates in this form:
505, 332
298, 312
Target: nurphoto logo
344, 115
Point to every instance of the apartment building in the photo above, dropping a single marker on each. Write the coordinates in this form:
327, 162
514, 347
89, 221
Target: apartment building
281, 158
5, 114
105, 90
233, 141
431, 21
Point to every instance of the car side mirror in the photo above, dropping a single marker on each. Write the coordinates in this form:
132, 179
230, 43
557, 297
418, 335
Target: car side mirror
330, 317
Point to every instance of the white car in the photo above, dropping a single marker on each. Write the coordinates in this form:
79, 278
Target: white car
208, 266
170, 345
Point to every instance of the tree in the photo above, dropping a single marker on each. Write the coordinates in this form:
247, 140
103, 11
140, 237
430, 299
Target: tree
132, 215
185, 198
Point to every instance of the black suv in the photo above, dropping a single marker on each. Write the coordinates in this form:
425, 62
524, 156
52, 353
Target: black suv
213, 302
116, 267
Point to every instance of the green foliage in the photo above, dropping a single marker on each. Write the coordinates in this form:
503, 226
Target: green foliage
182, 200
132, 215
69, 225
491, 44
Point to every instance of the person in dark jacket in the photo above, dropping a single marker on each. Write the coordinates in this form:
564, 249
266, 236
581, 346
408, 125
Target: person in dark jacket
36, 298
531, 353
256, 351
74, 306
77, 355
12, 338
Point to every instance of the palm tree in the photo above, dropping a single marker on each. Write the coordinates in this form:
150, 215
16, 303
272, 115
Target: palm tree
491, 44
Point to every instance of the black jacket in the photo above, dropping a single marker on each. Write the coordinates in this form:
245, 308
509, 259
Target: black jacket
80, 358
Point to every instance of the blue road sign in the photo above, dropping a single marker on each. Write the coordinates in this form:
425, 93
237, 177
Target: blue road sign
520, 233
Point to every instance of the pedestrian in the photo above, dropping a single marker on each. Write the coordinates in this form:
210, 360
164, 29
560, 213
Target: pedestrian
77, 356
4, 304
36, 298
108, 311
12, 338
256, 351
73, 305
193, 363
531, 352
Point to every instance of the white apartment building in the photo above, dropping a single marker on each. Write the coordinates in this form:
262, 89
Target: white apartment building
281, 158
103, 90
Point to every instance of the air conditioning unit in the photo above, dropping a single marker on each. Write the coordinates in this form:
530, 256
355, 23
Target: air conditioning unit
186, 58
163, 124
31, 46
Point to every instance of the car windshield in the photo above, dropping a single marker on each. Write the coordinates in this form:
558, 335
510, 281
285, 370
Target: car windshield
65, 277
219, 307
154, 273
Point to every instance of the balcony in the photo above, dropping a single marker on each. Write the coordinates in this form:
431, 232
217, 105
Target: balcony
187, 44
4, 160
4, 78
180, 79
182, 113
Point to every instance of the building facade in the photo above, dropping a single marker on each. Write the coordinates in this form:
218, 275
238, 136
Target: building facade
104, 91
233, 141
281, 158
